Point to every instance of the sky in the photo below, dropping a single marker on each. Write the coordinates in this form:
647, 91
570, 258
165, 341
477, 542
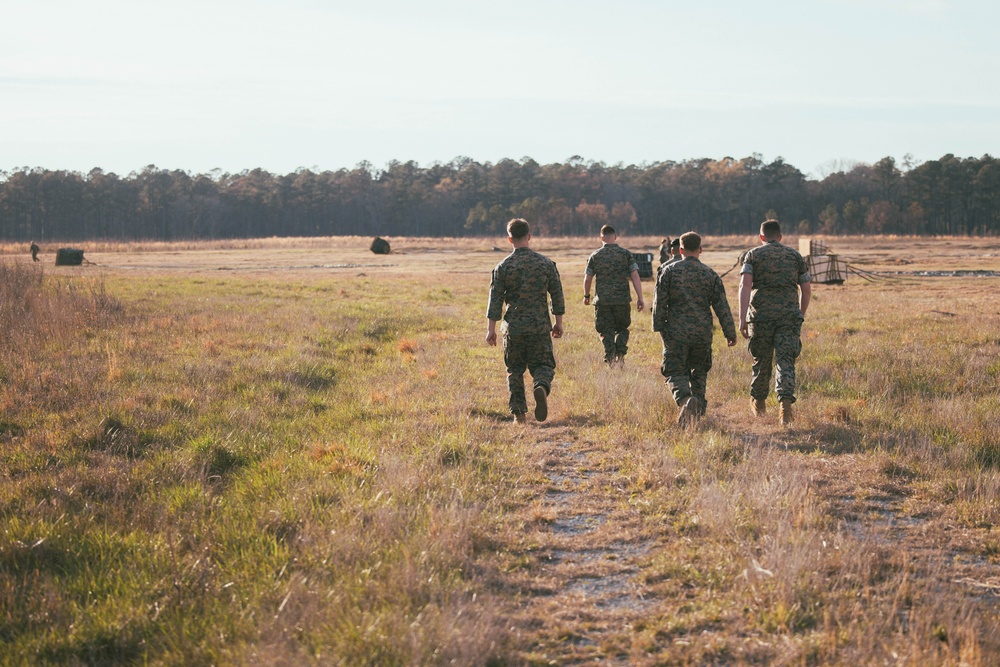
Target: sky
200, 85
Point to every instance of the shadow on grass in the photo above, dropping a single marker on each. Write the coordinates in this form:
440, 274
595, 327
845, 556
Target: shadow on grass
839, 438
313, 377
102, 647
491, 415
10, 429
574, 421
44, 557
825, 438
116, 437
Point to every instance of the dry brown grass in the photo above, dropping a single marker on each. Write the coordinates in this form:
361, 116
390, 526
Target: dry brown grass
217, 455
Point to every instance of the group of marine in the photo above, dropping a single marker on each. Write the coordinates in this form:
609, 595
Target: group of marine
774, 294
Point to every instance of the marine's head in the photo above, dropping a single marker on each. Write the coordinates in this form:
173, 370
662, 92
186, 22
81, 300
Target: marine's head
770, 230
517, 229
608, 234
690, 244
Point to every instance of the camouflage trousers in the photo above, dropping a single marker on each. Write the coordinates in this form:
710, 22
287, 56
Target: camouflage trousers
531, 352
612, 323
685, 367
779, 343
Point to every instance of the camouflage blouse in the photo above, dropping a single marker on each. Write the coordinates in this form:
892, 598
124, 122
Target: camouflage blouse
525, 280
612, 265
777, 272
686, 294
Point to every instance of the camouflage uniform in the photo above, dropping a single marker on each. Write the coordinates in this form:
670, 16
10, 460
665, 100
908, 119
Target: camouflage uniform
673, 260
686, 294
612, 265
773, 317
522, 281
664, 252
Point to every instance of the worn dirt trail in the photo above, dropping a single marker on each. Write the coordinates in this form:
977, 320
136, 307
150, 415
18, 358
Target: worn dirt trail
580, 593
588, 547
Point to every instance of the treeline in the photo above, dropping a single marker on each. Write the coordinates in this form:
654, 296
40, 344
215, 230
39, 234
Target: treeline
467, 198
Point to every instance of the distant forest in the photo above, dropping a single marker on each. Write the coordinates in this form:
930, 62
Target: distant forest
463, 197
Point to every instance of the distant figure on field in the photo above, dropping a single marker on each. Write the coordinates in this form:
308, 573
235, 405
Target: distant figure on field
665, 250
674, 250
34, 251
775, 288
614, 267
687, 292
525, 280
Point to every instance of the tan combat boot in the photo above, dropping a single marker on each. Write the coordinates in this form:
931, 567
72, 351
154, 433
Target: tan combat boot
688, 416
759, 407
785, 412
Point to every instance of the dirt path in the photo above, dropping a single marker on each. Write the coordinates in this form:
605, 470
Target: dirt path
583, 588
580, 592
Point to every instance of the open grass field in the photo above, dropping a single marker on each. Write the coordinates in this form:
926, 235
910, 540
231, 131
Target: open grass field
297, 452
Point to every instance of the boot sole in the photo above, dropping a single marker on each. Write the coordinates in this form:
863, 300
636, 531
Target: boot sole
541, 404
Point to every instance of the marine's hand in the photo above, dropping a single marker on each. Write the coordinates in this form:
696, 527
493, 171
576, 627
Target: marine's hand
557, 331
640, 304
491, 338
745, 329
731, 341
586, 300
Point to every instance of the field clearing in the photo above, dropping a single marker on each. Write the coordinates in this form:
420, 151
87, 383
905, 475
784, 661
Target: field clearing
294, 451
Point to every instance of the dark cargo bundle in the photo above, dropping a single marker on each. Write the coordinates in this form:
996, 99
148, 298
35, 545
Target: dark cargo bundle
380, 246
645, 262
69, 257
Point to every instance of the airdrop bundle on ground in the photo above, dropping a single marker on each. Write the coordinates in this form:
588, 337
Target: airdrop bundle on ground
380, 246
69, 257
645, 262
824, 267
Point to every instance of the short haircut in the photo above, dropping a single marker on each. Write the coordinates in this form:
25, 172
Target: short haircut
770, 229
690, 241
517, 228
607, 230
676, 243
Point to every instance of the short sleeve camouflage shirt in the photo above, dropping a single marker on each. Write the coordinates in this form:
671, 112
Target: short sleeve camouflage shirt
612, 265
777, 272
525, 280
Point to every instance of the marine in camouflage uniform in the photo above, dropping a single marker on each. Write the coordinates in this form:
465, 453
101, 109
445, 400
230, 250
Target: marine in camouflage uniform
614, 267
673, 256
771, 315
525, 280
686, 294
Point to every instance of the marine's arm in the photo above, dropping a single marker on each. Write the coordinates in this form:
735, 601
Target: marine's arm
746, 288
587, 283
637, 284
805, 297
660, 296
720, 304
491, 332
805, 285
495, 308
558, 301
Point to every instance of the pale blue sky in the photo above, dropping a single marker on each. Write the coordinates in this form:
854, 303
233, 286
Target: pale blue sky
205, 84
